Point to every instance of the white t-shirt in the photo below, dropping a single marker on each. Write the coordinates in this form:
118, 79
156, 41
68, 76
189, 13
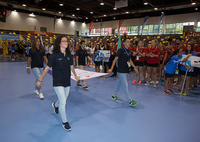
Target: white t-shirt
46, 48
87, 49
51, 49
101, 48
92, 50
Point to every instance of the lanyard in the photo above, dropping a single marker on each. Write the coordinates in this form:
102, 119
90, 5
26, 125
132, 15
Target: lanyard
126, 52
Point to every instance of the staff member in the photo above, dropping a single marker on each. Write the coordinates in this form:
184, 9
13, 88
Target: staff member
81, 54
62, 63
35, 57
124, 62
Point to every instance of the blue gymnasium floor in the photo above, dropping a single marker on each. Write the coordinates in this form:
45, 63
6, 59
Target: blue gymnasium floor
93, 116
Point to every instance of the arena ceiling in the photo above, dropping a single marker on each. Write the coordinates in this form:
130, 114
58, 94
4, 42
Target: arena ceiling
94, 10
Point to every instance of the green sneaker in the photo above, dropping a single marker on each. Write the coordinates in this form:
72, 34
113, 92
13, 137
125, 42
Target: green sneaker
133, 103
115, 98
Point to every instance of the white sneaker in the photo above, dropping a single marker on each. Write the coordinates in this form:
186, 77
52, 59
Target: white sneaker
36, 92
41, 96
156, 82
152, 82
146, 84
154, 86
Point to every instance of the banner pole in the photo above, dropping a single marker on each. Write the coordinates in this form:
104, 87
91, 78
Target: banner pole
184, 82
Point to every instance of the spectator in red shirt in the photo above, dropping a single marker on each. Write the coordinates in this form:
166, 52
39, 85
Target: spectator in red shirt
139, 53
145, 60
179, 45
131, 48
153, 54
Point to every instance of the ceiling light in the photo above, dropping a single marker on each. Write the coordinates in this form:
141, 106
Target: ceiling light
162, 12
73, 15
61, 4
196, 8
104, 15
114, 8
14, 10
101, 3
91, 12
194, 3
114, 18
155, 8
77, 8
145, 3
32, 15
59, 12
86, 17
96, 19
23, 5
43, 9
127, 12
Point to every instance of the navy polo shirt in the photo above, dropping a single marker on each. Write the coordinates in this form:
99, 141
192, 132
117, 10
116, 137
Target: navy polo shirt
61, 68
124, 56
81, 53
36, 58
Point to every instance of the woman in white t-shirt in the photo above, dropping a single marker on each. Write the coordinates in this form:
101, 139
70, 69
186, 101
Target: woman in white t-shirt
87, 48
92, 49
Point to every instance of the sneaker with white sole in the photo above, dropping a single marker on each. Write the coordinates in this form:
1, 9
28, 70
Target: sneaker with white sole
36, 92
41, 96
152, 82
66, 126
86, 88
154, 85
146, 84
55, 108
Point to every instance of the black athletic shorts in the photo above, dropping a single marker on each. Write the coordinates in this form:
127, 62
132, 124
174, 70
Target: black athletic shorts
106, 64
195, 72
139, 63
152, 65
168, 75
162, 62
184, 72
145, 63
97, 63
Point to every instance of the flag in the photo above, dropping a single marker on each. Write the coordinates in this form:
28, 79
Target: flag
119, 44
120, 24
91, 26
6, 47
144, 22
161, 18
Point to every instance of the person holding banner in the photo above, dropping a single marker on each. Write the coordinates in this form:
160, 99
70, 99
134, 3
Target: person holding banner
153, 54
35, 58
123, 57
182, 71
170, 68
62, 64
139, 54
81, 54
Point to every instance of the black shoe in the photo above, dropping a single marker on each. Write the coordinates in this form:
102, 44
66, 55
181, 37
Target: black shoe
85, 88
79, 85
113, 75
55, 108
66, 126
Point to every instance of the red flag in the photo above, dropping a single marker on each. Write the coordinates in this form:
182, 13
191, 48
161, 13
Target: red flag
90, 27
120, 24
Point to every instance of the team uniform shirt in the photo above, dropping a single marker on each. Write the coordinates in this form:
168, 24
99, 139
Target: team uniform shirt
197, 49
36, 58
97, 57
113, 50
183, 47
132, 50
145, 49
188, 63
138, 57
92, 50
61, 68
27, 50
81, 53
151, 59
124, 56
13, 49
172, 64
163, 52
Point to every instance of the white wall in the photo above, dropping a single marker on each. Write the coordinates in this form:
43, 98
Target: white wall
180, 18
22, 21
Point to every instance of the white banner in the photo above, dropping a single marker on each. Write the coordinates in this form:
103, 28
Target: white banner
193, 61
84, 74
104, 53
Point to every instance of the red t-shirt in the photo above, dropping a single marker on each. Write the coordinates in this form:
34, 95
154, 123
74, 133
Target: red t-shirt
138, 57
183, 47
197, 49
131, 49
163, 52
113, 50
155, 51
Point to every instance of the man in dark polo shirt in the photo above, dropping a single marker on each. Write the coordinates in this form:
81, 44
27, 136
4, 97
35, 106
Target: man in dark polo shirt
81, 54
124, 62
